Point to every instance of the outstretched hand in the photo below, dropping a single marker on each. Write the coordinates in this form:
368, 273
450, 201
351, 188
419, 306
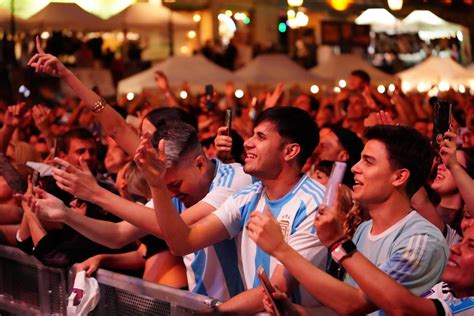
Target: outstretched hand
41, 115
79, 182
151, 161
272, 99
48, 207
15, 114
46, 63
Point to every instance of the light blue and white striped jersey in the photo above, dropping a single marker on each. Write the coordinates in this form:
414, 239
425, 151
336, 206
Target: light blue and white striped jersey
413, 252
214, 271
295, 212
452, 305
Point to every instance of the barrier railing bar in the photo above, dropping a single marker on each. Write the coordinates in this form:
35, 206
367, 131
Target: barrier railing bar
174, 296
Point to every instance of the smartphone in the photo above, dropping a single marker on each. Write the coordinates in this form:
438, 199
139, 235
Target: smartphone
228, 120
335, 179
269, 289
35, 178
209, 92
441, 121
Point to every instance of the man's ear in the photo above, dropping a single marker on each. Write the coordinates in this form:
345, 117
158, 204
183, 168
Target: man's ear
400, 177
200, 162
343, 156
291, 151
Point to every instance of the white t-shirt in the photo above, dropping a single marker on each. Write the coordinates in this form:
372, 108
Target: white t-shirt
295, 212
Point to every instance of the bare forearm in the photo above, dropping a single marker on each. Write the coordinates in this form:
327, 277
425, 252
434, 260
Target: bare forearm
111, 121
126, 261
465, 185
103, 232
331, 292
386, 293
175, 231
136, 214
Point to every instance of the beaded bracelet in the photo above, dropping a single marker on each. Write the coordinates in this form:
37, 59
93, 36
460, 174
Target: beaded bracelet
99, 105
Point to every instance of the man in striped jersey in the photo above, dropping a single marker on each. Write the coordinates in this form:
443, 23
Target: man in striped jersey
283, 140
198, 186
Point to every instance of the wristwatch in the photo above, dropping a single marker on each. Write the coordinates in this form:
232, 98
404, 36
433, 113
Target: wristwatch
343, 250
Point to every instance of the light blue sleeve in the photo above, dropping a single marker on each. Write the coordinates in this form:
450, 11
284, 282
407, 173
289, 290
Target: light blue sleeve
417, 260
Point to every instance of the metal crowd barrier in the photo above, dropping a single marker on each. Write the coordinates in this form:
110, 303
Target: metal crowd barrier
29, 288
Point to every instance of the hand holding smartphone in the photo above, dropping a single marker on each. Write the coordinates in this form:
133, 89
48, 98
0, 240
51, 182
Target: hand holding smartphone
269, 289
335, 179
441, 122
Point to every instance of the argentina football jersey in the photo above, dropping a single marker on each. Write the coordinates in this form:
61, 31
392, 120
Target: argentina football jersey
295, 212
213, 271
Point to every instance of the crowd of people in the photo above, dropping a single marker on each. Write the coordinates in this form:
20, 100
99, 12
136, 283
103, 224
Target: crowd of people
168, 192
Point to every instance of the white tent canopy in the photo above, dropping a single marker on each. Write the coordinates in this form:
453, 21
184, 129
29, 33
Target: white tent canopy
429, 25
145, 15
340, 67
380, 20
270, 69
432, 71
64, 16
196, 70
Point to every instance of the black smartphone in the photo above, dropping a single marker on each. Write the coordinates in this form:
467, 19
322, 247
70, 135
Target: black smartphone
441, 122
209, 92
228, 120
269, 289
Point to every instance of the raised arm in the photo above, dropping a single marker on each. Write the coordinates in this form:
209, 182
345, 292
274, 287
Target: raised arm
335, 294
81, 183
112, 235
12, 120
464, 182
377, 287
112, 123
181, 238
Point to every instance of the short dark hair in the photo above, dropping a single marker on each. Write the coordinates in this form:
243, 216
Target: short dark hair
160, 116
181, 139
313, 102
295, 125
362, 75
353, 145
77, 133
406, 148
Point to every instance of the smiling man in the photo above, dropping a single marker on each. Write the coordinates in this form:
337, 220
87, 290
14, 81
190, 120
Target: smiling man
394, 164
284, 137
